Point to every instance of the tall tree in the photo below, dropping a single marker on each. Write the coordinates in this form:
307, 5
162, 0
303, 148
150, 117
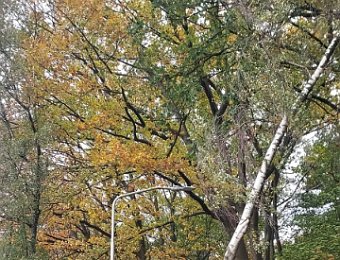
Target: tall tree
23, 137
178, 92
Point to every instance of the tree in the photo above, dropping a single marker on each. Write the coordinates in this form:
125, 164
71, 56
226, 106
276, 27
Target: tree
260, 179
319, 205
23, 137
180, 92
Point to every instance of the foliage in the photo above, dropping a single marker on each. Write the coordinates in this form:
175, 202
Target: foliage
24, 137
319, 217
131, 94
14, 245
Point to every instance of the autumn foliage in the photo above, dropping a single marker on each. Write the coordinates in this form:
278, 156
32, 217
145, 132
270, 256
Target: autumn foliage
135, 94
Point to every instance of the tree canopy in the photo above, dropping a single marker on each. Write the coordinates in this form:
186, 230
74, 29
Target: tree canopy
102, 98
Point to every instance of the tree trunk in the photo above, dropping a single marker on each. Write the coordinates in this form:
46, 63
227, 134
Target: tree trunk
269, 236
254, 195
256, 254
141, 253
242, 252
35, 223
228, 217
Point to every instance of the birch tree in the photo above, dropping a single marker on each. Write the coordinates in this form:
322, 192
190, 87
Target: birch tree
280, 132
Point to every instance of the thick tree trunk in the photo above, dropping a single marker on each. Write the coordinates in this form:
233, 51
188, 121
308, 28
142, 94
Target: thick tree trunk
228, 217
254, 195
242, 252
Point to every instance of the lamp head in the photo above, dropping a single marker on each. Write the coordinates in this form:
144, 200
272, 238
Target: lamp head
182, 188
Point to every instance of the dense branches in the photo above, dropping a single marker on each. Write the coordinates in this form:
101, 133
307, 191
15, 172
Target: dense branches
135, 94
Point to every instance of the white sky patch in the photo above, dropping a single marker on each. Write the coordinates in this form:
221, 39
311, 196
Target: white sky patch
294, 184
335, 92
201, 21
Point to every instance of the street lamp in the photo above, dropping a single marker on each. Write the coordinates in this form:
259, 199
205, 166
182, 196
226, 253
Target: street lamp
173, 188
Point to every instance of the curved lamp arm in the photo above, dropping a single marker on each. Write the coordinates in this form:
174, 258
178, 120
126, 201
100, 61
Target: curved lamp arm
173, 188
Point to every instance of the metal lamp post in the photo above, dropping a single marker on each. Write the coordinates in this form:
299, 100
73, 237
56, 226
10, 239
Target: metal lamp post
174, 188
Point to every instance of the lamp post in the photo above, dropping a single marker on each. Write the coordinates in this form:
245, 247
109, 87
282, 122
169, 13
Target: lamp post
173, 188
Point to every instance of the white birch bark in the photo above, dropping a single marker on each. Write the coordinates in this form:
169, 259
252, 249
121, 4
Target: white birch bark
280, 132
308, 86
